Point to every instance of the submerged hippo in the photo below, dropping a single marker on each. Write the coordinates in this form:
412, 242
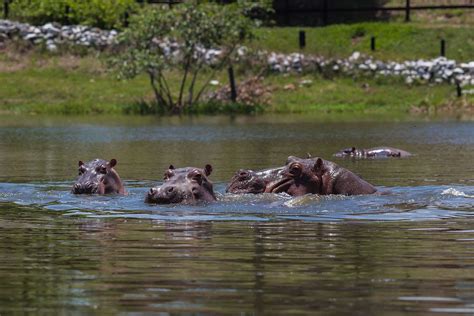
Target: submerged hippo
183, 185
318, 176
98, 176
376, 152
249, 181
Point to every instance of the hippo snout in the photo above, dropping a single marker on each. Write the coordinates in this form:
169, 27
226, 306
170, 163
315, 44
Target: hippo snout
85, 188
162, 195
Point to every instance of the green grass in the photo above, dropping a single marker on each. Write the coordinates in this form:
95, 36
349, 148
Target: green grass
394, 41
348, 95
55, 90
36, 82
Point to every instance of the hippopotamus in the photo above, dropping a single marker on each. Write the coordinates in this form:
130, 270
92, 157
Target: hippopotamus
183, 185
318, 176
98, 176
249, 181
376, 152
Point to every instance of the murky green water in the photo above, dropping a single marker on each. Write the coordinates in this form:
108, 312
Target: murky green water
408, 252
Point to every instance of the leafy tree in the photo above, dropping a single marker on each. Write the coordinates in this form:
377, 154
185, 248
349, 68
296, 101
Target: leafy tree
158, 42
100, 13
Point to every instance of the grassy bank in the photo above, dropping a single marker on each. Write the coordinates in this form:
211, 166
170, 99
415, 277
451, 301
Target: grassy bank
68, 85
35, 82
394, 41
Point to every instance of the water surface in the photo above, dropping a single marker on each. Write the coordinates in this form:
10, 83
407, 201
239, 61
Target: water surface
410, 251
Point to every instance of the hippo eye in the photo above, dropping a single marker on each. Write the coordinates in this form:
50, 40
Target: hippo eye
243, 175
295, 169
101, 169
196, 176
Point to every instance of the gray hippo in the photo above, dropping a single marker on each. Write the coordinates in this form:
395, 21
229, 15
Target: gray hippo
376, 152
98, 176
183, 185
318, 176
249, 181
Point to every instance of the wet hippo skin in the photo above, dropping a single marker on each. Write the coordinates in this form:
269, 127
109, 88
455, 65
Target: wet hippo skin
98, 176
183, 185
318, 176
375, 152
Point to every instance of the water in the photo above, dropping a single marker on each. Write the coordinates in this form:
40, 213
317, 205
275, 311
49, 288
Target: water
410, 251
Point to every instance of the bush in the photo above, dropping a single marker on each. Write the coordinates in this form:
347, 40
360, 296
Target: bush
100, 13
163, 41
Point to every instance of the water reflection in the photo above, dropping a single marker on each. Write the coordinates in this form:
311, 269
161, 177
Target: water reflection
410, 251
53, 264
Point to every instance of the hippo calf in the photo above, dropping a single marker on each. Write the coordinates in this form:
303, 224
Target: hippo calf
318, 176
376, 152
98, 176
249, 181
183, 185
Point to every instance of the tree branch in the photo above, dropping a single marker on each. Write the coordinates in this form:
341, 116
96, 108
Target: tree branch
206, 83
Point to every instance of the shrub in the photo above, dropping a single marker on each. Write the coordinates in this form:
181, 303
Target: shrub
100, 13
159, 42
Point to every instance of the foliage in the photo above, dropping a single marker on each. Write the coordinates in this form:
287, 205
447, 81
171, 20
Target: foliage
159, 41
100, 13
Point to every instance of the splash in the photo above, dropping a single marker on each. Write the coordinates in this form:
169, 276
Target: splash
454, 192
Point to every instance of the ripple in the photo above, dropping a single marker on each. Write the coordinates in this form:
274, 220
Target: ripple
402, 204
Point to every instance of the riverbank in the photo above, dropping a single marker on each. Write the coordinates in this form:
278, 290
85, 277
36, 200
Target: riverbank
40, 82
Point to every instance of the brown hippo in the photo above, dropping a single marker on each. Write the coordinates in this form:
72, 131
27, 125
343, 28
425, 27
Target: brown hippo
98, 176
376, 152
183, 185
249, 181
318, 176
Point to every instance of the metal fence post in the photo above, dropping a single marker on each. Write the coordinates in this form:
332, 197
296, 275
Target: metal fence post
233, 88
443, 48
6, 9
407, 11
458, 90
325, 12
302, 39
372, 43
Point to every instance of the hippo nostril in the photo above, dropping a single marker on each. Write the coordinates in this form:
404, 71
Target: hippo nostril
76, 188
170, 189
152, 191
243, 174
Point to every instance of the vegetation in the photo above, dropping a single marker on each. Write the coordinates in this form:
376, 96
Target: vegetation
36, 81
66, 84
104, 13
394, 41
193, 28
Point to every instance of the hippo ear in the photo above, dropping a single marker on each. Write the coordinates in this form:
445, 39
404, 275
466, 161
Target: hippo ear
208, 170
353, 149
318, 166
308, 155
80, 163
171, 167
112, 163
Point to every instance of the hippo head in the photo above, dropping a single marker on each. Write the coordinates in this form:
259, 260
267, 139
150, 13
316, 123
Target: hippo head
183, 185
346, 152
299, 177
97, 176
246, 181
